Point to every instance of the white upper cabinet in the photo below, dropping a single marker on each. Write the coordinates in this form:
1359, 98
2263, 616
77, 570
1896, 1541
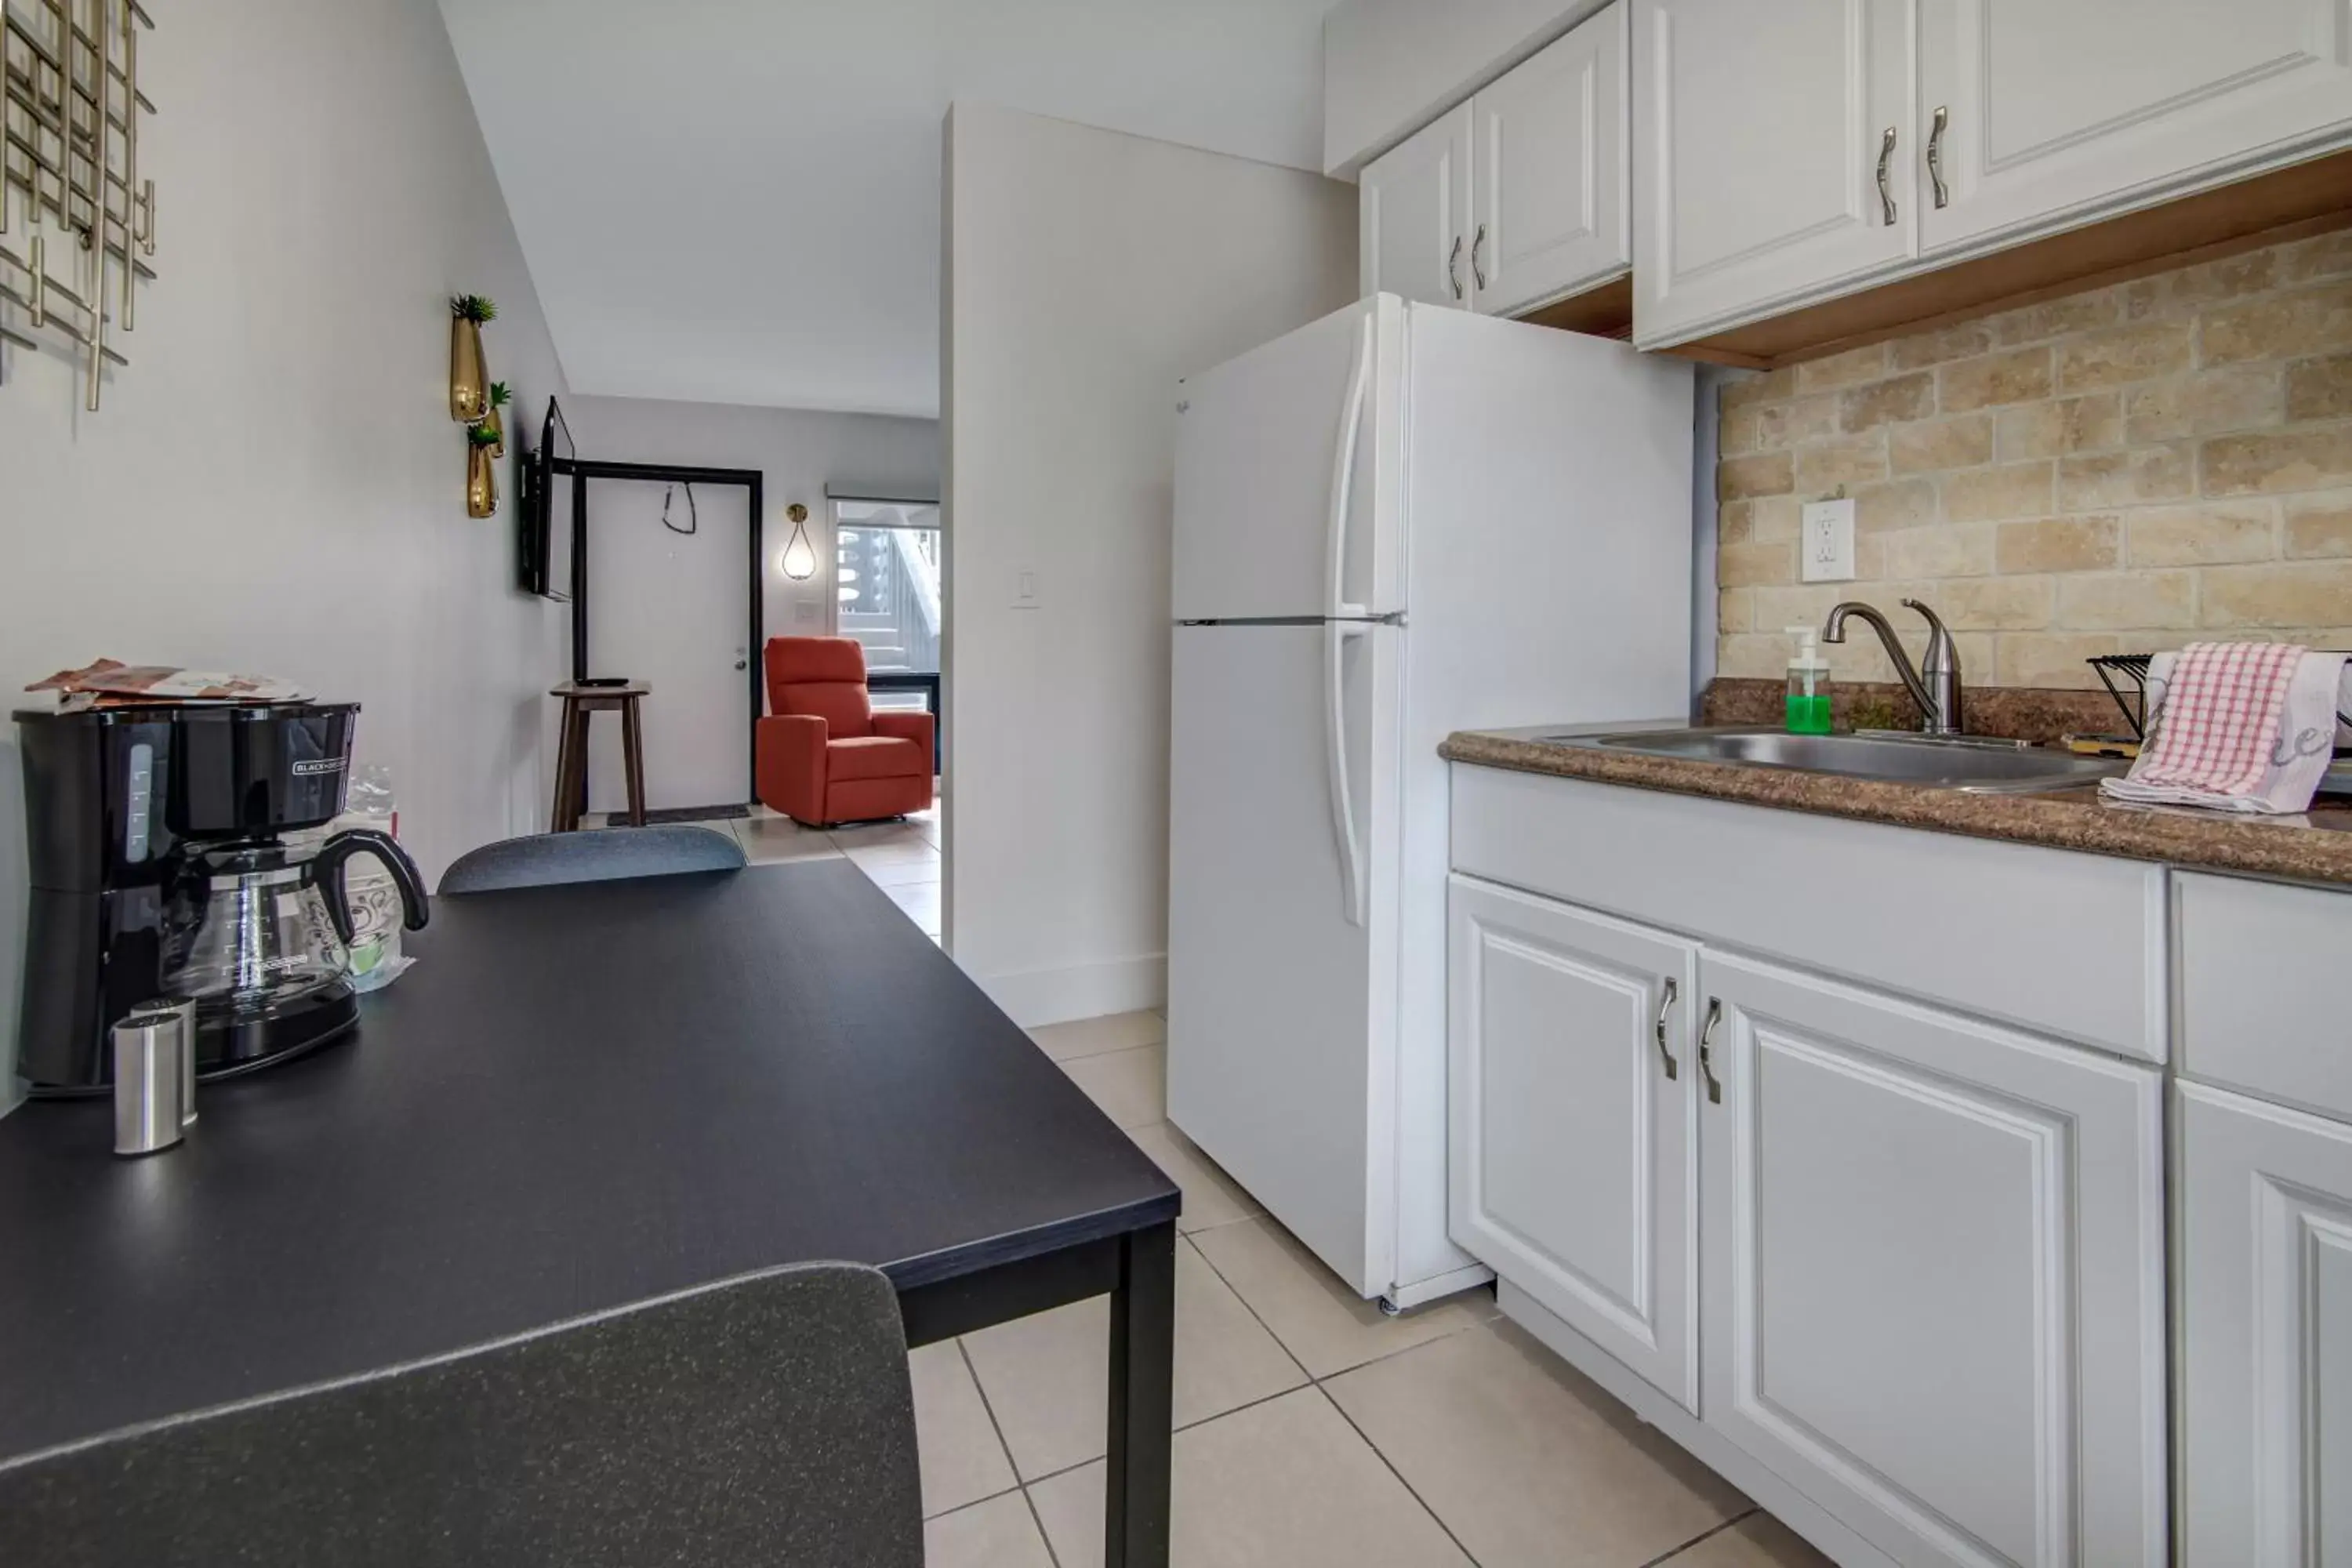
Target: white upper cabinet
1549, 170
1776, 148
2059, 110
1571, 1144
2265, 1259
1414, 217
1934, 1256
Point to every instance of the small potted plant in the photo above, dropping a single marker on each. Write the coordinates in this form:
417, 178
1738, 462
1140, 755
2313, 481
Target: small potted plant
469, 392
495, 421
481, 471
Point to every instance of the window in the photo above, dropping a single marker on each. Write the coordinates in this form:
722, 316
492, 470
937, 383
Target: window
886, 580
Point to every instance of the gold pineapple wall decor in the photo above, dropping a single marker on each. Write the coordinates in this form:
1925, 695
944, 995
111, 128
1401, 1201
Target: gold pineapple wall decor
77, 216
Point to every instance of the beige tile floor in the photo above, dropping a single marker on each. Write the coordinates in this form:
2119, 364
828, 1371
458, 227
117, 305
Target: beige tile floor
1311, 1430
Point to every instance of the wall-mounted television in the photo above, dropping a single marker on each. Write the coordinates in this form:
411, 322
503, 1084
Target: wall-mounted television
543, 512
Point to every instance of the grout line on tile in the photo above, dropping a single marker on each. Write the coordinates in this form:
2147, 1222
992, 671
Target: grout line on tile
1312, 1381
1385, 1463
1038, 1520
1002, 1447
1703, 1535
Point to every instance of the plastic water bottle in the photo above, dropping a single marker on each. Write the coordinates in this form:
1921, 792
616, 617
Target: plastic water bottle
374, 896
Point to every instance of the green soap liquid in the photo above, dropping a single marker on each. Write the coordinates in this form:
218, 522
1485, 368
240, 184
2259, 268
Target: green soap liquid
1808, 715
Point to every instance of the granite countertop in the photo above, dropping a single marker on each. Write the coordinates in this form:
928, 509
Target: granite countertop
2313, 847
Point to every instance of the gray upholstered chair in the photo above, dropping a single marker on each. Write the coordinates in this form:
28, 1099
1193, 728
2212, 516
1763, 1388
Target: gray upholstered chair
594, 855
764, 1422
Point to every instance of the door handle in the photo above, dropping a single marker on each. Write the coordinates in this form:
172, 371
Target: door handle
1452, 269
1336, 634
1666, 1005
1936, 154
1707, 1052
1886, 156
742, 661
1479, 248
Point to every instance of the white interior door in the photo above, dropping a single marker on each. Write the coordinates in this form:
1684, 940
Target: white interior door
1933, 1255
672, 609
1550, 215
1574, 1154
1288, 464
1281, 925
2058, 108
1415, 216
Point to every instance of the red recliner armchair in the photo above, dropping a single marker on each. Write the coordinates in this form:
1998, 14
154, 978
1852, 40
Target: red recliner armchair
824, 755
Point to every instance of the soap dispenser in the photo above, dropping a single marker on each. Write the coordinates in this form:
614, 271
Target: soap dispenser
1809, 685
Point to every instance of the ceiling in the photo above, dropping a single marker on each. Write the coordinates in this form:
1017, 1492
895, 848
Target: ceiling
738, 201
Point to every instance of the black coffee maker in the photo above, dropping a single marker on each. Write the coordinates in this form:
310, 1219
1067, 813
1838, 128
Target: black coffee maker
162, 867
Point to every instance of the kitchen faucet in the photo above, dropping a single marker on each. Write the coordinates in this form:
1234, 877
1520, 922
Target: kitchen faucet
1935, 685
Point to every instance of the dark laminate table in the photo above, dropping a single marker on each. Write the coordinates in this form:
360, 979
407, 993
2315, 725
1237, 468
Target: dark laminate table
583, 1098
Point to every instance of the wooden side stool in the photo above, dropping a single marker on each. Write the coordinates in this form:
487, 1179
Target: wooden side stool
572, 750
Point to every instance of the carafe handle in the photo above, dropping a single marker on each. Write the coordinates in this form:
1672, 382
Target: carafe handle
329, 869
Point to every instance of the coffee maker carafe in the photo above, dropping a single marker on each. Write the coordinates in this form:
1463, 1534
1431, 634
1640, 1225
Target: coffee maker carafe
258, 936
170, 844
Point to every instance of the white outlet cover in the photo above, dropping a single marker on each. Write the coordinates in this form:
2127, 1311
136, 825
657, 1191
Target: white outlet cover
1827, 540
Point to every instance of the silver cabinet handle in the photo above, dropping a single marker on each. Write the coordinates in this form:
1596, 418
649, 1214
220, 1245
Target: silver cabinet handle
1935, 155
1707, 1052
1666, 1005
1453, 266
1886, 155
1477, 267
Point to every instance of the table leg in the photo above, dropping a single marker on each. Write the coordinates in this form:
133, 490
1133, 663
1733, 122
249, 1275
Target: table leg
1142, 1390
633, 747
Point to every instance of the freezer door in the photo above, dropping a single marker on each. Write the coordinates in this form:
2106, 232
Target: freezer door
1289, 475
1282, 925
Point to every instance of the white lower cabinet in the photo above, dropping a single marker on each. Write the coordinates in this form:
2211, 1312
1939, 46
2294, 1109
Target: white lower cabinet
1933, 1252
1915, 1260
2265, 1255
1572, 1142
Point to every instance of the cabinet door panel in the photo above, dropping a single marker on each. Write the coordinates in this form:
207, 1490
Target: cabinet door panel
1757, 130
1933, 1250
1571, 1149
1549, 161
2265, 1257
2059, 108
1414, 217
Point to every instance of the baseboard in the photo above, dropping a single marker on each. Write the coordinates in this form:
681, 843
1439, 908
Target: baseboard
1710, 1448
1038, 996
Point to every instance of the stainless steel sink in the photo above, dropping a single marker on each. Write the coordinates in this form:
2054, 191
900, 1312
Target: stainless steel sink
1980, 766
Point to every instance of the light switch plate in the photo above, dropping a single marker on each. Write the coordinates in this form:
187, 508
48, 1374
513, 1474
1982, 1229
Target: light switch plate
1827, 542
1025, 589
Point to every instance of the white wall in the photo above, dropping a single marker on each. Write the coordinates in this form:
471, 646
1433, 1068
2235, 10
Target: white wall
276, 484
1087, 271
799, 452
1391, 66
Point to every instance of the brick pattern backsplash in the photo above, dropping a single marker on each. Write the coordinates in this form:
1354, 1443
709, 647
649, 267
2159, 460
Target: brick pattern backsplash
2121, 471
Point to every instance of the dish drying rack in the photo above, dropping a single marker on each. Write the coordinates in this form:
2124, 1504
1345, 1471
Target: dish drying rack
2125, 675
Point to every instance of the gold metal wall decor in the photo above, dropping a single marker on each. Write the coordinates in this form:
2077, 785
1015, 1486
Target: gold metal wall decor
71, 118
481, 472
469, 373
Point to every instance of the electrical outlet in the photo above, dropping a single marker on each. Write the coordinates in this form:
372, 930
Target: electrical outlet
803, 611
1827, 539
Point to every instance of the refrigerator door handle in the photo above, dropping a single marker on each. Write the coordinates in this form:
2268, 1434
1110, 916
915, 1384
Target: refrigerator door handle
1343, 475
1335, 635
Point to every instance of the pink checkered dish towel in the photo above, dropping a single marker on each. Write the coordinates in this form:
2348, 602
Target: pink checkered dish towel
2246, 727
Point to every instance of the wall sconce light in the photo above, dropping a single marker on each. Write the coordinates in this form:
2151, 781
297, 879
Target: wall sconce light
800, 555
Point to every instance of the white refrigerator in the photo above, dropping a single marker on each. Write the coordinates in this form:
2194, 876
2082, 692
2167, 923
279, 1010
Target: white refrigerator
1397, 521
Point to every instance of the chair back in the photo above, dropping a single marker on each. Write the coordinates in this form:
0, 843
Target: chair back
765, 1420
822, 677
595, 855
